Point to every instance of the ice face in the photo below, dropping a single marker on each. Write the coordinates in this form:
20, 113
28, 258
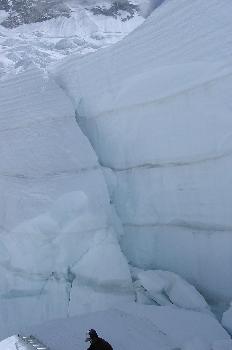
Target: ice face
61, 263
227, 319
167, 288
157, 110
43, 152
54, 200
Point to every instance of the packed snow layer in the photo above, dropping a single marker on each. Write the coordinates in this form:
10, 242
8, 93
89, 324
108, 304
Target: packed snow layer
57, 227
132, 327
9, 343
202, 345
129, 325
157, 110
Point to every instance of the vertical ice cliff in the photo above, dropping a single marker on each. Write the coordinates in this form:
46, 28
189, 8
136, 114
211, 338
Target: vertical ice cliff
55, 213
157, 109
88, 26
43, 153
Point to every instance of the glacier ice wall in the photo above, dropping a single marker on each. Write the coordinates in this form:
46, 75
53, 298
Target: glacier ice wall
157, 109
43, 152
55, 214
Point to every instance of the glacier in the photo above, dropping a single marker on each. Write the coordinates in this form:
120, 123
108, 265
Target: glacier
43, 153
157, 109
118, 162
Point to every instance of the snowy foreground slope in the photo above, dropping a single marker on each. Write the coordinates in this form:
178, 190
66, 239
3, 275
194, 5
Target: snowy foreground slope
131, 328
157, 109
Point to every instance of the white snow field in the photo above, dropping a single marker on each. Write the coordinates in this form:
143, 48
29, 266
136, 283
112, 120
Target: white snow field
157, 109
153, 327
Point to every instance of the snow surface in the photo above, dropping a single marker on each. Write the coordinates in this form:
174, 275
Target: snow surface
9, 343
133, 327
157, 109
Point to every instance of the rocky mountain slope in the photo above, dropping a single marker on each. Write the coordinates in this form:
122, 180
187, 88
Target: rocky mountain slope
45, 34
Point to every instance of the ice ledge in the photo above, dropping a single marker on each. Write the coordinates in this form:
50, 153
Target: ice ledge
160, 85
172, 163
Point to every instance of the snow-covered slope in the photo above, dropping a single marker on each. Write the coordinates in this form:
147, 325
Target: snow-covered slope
157, 109
131, 327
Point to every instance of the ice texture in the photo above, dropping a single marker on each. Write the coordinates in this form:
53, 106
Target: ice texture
61, 263
166, 288
157, 109
9, 343
227, 319
43, 152
54, 205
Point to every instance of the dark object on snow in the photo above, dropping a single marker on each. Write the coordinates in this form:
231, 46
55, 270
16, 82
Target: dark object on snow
97, 343
116, 10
